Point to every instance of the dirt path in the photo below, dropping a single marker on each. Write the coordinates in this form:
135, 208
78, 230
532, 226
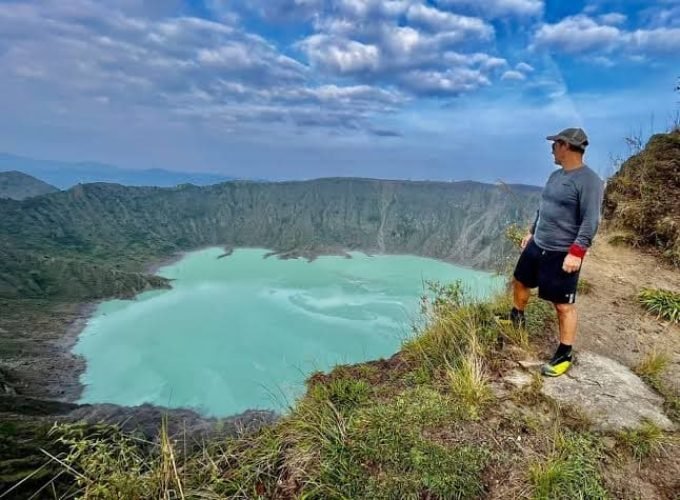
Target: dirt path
611, 322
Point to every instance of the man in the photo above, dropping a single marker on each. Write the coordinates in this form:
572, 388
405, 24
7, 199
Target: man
554, 248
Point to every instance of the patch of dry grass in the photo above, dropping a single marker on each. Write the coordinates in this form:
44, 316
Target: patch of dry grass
651, 366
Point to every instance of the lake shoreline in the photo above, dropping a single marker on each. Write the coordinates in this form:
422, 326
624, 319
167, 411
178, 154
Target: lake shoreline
66, 367
330, 297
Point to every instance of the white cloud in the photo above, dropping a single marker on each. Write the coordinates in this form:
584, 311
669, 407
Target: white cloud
577, 34
405, 57
341, 55
513, 75
447, 21
603, 61
445, 82
404, 43
583, 35
169, 67
658, 40
613, 18
524, 67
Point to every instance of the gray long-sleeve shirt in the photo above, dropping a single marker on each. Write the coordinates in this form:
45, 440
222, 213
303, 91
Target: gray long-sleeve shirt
569, 212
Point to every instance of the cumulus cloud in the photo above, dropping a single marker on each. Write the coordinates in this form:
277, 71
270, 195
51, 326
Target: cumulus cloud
582, 34
341, 55
613, 18
142, 61
577, 34
659, 40
524, 67
418, 48
513, 76
439, 20
445, 82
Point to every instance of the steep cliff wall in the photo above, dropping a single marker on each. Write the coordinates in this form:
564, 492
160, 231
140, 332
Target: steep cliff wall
125, 227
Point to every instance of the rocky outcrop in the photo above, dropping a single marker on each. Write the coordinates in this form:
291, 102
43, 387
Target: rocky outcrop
6, 388
608, 393
145, 419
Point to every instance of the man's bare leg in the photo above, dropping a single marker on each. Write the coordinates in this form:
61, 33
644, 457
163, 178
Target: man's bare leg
568, 318
520, 295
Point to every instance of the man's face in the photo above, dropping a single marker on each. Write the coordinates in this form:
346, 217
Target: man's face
559, 149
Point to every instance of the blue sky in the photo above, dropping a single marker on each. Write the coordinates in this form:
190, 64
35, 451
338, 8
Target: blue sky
295, 89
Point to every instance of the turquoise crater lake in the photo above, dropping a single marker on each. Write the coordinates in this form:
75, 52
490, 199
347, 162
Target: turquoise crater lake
244, 332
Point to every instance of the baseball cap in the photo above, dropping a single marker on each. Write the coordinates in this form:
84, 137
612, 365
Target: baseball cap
574, 136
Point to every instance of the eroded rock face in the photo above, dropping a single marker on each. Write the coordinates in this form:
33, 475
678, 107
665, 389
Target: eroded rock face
145, 419
609, 393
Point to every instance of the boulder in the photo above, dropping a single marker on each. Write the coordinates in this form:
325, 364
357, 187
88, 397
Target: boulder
608, 393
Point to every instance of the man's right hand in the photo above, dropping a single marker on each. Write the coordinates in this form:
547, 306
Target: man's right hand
526, 240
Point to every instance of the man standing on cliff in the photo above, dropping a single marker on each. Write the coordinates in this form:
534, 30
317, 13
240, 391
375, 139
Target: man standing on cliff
554, 248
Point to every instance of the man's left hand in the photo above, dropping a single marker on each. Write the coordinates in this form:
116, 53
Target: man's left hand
571, 263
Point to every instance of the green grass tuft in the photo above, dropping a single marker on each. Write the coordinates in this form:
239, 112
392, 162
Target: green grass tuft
584, 286
644, 441
343, 393
469, 384
664, 303
570, 471
651, 367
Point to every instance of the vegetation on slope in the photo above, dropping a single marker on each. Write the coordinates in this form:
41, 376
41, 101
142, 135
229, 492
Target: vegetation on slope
19, 186
29, 275
641, 199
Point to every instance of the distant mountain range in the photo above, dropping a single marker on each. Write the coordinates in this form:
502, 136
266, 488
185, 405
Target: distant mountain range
19, 186
64, 175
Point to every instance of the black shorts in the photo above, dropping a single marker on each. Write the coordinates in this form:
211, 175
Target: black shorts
543, 269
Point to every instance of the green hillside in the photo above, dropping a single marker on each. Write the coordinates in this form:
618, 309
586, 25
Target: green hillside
29, 275
18, 186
